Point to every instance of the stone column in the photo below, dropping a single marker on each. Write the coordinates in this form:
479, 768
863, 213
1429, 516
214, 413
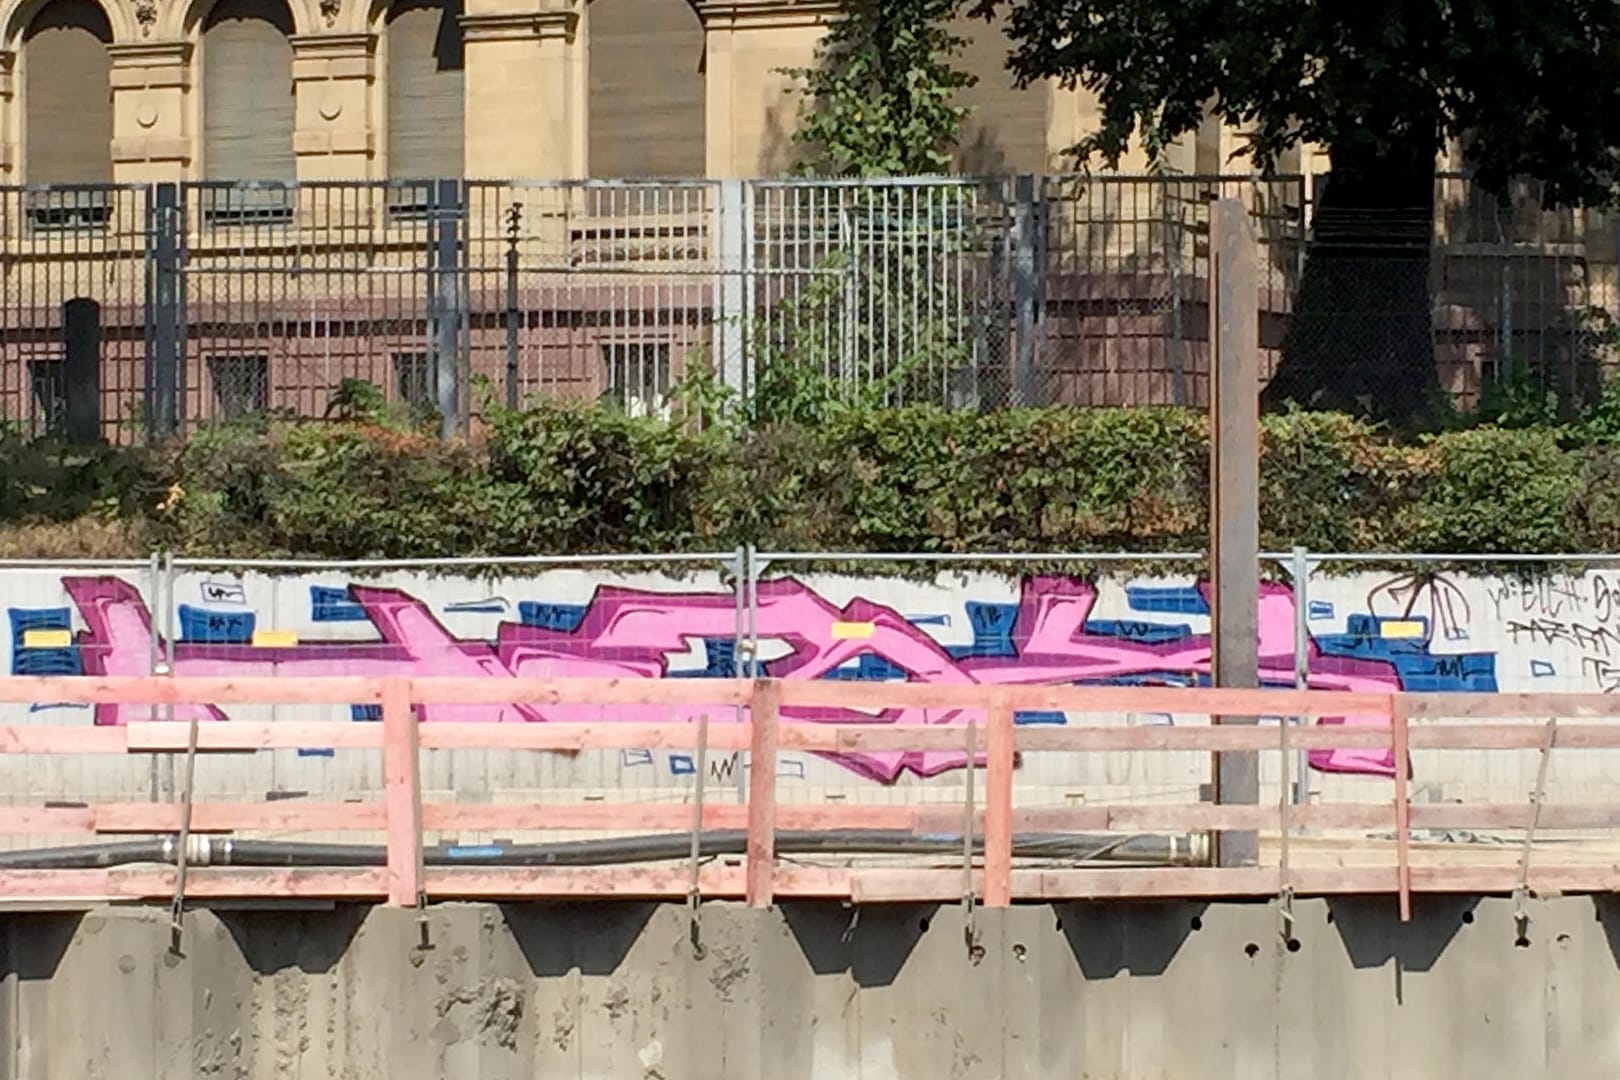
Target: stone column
152, 131
526, 88
8, 133
333, 132
750, 111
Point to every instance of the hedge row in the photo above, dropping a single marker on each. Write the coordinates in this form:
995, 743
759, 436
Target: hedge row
565, 480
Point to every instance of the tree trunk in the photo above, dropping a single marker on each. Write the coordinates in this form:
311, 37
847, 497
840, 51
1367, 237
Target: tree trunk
1361, 337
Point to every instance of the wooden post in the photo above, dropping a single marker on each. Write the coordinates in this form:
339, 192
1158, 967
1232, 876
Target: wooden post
764, 713
998, 804
1403, 806
1234, 530
402, 793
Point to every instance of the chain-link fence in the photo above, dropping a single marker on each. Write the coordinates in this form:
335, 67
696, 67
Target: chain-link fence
1483, 300
1126, 286
146, 308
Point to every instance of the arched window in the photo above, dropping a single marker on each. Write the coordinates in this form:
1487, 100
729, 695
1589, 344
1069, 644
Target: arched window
247, 92
646, 89
67, 95
422, 55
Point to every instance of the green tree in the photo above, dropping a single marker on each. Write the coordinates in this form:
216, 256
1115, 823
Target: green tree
1523, 89
880, 100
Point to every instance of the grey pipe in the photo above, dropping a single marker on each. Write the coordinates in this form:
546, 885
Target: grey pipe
1171, 850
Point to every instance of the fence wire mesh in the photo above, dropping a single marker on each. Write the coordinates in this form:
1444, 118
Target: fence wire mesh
1125, 296
200, 302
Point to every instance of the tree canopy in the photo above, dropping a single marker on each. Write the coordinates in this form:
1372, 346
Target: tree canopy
1523, 90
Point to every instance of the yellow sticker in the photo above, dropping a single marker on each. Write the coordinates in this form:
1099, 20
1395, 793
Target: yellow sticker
47, 639
851, 631
275, 639
1400, 628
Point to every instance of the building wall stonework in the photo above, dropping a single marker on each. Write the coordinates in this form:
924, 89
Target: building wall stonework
527, 88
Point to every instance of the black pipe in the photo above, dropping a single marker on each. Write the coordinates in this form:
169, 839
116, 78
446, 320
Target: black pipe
662, 847
90, 856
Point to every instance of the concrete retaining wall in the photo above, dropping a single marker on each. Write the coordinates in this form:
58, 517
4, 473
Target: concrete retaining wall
615, 991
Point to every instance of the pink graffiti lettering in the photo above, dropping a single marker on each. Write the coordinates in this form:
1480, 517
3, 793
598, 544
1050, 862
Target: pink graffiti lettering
632, 633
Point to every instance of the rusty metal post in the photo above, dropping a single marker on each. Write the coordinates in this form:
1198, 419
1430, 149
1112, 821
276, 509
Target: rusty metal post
1234, 528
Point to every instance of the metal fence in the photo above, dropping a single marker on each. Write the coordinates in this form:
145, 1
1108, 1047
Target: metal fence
170, 305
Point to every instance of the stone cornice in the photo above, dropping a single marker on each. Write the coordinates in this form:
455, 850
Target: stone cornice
149, 53
748, 14
333, 45
553, 23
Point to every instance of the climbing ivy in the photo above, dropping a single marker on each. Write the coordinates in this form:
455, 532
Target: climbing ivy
880, 99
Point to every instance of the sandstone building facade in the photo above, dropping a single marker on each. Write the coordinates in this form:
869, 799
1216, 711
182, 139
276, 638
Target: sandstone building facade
97, 91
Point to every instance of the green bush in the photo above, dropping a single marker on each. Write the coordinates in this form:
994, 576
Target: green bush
1490, 491
568, 479
354, 490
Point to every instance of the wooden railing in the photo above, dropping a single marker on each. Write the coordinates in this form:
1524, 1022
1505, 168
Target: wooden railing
981, 727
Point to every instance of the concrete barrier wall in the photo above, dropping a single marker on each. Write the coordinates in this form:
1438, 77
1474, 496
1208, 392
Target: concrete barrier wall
1184, 991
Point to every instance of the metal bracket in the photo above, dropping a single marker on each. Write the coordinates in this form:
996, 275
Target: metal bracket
1285, 914
969, 807
694, 891
182, 848
1521, 893
424, 932
854, 921
1285, 890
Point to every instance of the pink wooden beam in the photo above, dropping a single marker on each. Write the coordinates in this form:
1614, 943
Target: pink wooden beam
1081, 699
764, 719
168, 736
627, 691
609, 735
1403, 808
33, 739
402, 794
252, 883
1512, 706
998, 804
163, 690
284, 816
603, 883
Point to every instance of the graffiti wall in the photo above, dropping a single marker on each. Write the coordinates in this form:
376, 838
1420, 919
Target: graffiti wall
1366, 632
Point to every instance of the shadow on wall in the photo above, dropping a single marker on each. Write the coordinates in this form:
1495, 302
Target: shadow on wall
1134, 937
871, 942
981, 155
1373, 934
591, 938
313, 942
34, 944
1607, 911
779, 155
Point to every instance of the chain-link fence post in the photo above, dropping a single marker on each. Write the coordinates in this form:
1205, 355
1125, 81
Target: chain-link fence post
165, 661
444, 302
1025, 239
730, 229
153, 590
514, 227
755, 566
1300, 573
163, 221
